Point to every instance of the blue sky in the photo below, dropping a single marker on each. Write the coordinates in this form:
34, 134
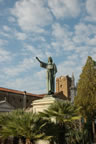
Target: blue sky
63, 29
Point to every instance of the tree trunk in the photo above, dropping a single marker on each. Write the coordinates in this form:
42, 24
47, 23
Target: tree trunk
28, 141
6, 141
23, 139
61, 138
94, 132
15, 140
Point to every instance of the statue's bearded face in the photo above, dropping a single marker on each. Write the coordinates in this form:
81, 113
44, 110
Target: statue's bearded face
50, 60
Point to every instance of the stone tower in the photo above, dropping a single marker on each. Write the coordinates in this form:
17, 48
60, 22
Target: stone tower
63, 84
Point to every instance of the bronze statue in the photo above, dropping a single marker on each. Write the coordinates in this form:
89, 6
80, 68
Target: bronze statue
51, 71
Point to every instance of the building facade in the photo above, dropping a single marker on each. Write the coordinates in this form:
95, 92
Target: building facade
18, 99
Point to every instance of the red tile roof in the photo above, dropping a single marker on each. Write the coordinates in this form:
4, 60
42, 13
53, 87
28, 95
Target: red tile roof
20, 92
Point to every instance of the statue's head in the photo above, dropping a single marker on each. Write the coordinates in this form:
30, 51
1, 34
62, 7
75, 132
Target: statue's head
50, 60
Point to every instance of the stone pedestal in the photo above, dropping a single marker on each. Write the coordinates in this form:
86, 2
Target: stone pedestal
42, 104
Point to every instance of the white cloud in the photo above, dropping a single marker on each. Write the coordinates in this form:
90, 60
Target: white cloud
83, 36
23, 66
73, 57
6, 28
49, 53
84, 33
3, 42
31, 49
34, 51
91, 10
62, 38
60, 32
11, 19
4, 55
92, 41
42, 52
5, 34
37, 38
81, 39
41, 75
32, 15
94, 55
81, 29
68, 67
20, 35
35, 83
65, 8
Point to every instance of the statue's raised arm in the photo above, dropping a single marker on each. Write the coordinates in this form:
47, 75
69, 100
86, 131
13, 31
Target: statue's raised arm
42, 64
38, 59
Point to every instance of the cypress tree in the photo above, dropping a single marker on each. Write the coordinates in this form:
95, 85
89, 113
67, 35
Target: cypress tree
86, 91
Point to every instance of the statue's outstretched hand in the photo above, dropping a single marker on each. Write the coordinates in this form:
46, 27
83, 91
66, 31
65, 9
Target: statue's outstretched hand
38, 59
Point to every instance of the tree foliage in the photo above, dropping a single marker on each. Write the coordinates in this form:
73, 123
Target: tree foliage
62, 114
57, 124
86, 91
20, 124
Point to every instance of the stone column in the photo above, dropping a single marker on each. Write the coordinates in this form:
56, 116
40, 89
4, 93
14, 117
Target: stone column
24, 100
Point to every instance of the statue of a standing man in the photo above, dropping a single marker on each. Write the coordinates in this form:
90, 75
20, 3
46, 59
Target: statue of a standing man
51, 71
